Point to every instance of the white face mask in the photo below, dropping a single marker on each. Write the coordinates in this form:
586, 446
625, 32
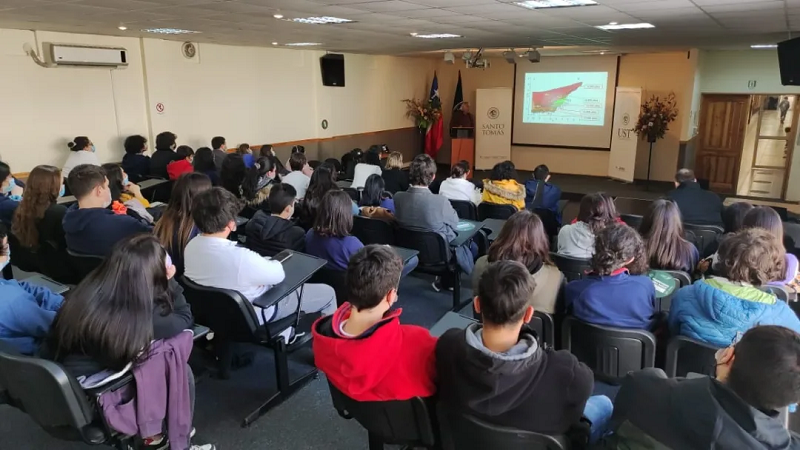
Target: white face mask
107, 202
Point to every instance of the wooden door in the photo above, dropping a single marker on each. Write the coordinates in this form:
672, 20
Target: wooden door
723, 120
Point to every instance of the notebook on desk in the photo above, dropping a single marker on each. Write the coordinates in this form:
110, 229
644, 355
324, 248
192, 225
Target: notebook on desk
45, 282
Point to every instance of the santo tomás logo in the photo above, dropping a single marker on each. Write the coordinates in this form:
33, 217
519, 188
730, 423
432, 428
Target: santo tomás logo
493, 113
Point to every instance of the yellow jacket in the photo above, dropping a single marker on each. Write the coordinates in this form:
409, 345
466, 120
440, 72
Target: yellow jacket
504, 192
124, 197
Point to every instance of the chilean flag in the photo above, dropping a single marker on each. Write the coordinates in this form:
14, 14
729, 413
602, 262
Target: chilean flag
435, 134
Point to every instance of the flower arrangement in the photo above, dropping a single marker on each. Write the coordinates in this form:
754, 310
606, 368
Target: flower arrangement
424, 112
655, 117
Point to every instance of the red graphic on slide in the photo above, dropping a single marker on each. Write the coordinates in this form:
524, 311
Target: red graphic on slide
548, 101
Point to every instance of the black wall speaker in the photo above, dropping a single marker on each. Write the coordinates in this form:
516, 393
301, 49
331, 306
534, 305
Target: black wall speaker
789, 61
332, 67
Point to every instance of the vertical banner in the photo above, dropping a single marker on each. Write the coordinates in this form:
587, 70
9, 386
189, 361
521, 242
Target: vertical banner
492, 126
622, 161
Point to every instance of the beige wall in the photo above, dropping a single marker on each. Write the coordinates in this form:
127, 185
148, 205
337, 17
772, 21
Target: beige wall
728, 72
247, 94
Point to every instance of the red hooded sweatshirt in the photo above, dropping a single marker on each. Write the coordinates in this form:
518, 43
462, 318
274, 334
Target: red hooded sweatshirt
387, 362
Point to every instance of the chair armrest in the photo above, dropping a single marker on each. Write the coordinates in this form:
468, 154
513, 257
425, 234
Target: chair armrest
119, 383
200, 331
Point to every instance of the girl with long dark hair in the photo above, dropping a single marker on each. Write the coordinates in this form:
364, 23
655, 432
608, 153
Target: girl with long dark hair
375, 201
125, 194
204, 163
662, 231
232, 174
596, 212
258, 181
523, 239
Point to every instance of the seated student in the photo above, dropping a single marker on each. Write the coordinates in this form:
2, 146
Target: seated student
299, 177
330, 237
420, 209
126, 196
394, 176
375, 201
616, 293
458, 187
37, 224
232, 174
219, 150
295, 149
665, 246
737, 409
350, 161
247, 154
26, 311
270, 233
135, 163
502, 187
91, 228
203, 162
713, 310
697, 205
322, 180
213, 260
523, 239
768, 219
577, 239
183, 165
166, 143
176, 227
82, 151
109, 322
541, 194
10, 194
497, 372
733, 216
362, 348
370, 166
258, 181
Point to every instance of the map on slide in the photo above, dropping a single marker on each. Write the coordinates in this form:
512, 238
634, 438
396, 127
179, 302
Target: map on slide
565, 98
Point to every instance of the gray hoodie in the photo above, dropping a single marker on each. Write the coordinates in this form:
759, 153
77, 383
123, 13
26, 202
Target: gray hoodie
576, 240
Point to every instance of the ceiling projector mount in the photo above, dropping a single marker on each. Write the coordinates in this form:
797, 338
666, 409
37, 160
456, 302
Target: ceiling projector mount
475, 60
531, 55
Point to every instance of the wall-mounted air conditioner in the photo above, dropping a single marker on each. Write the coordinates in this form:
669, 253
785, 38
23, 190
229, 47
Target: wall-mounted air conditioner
80, 55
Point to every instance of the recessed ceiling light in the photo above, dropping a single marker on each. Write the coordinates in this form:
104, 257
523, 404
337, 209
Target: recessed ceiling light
122, 27
320, 20
764, 46
436, 36
169, 31
274, 43
626, 26
278, 16
302, 44
612, 23
538, 4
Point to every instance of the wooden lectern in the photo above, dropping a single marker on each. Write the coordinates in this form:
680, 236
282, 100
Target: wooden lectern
462, 146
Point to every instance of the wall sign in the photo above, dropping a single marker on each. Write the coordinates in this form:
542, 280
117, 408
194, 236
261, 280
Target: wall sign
160, 108
751, 84
324, 124
492, 126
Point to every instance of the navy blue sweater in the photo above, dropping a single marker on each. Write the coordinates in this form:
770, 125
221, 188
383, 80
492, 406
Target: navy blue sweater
94, 231
623, 300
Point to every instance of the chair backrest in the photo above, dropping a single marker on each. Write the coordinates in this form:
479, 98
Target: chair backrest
433, 250
396, 422
459, 431
549, 221
634, 221
572, 268
84, 264
465, 209
335, 163
611, 353
686, 355
781, 292
334, 278
706, 237
162, 192
545, 327
683, 278
53, 399
228, 313
353, 193
495, 211
373, 231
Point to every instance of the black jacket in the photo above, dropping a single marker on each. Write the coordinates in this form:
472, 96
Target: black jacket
268, 235
50, 254
136, 166
652, 411
159, 162
544, 392
396, 180
697, 205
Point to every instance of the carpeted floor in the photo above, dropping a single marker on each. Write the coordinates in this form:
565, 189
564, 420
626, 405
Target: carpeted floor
305, 421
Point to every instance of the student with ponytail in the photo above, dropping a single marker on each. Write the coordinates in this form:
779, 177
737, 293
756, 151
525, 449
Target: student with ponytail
82, 151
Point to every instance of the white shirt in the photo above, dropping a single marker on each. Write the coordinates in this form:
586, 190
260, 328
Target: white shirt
362, 172
76, 159
219, 263
460, 189
298, 180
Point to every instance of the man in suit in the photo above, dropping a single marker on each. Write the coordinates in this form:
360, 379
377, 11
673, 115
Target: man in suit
420, 209
697, 205
220, 150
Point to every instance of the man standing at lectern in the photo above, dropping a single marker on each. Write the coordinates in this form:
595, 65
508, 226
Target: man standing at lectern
462, 117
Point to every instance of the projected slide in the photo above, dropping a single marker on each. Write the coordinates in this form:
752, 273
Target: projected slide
565, 98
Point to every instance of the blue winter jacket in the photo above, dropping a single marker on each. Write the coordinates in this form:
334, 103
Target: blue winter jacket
714, 310
26, 312
550, 197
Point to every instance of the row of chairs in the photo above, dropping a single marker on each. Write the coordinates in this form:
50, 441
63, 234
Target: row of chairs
704, 237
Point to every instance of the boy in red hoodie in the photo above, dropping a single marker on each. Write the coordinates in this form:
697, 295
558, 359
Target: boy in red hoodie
362, 348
